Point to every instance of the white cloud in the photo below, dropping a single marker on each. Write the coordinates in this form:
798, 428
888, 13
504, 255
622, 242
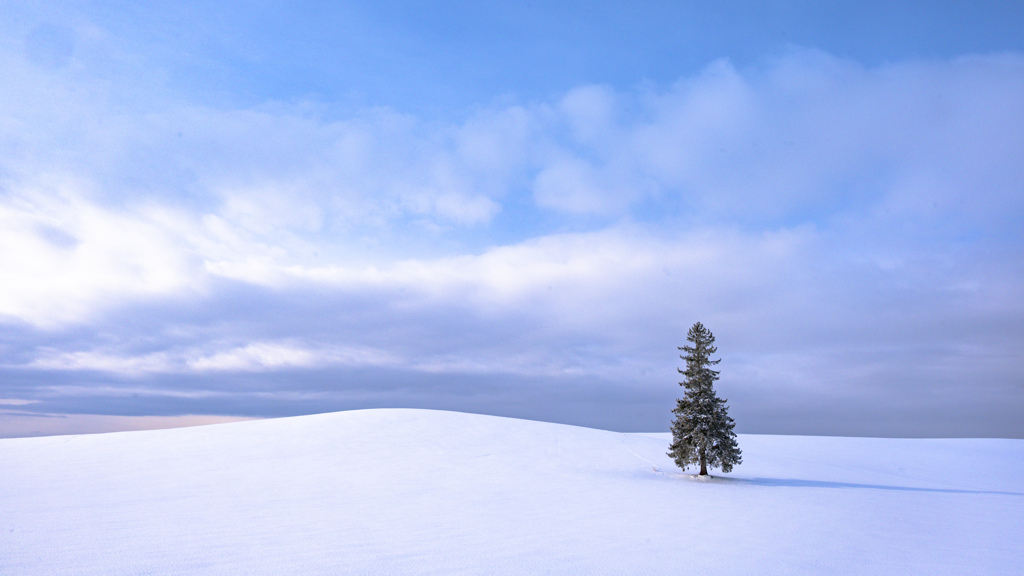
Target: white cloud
132, 365
591, 112
261, 356
15, 402
807, 202
803, 134
62, 256
253, 357
571, 185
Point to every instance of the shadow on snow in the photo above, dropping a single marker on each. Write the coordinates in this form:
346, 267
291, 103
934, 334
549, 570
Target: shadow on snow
796, 483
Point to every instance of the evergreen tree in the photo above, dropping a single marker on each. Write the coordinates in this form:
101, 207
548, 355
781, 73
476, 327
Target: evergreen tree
702, 430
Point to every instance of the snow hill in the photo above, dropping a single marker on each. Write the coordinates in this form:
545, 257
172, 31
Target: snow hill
430, 492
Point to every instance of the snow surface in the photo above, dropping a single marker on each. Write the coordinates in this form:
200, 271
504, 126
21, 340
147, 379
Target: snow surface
430, 492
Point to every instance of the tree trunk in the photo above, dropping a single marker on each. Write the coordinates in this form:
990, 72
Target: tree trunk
703, 464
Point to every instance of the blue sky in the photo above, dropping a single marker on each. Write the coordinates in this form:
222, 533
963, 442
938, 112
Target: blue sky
243, 211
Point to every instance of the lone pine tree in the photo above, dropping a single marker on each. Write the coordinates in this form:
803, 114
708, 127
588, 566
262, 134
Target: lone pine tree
702, 430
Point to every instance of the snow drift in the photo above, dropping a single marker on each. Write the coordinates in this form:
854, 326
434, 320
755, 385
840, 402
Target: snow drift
430, 492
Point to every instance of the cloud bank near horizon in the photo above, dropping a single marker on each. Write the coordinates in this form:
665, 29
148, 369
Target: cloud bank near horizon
851, 234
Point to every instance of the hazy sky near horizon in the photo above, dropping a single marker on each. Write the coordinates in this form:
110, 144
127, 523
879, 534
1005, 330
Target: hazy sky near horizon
517, 208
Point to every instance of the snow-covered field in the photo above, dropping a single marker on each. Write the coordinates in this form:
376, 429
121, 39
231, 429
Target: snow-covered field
429, 492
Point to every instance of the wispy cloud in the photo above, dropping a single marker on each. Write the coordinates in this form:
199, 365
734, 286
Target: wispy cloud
15, 402
254, 357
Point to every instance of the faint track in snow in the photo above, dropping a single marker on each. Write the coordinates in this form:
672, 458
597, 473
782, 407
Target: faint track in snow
654, 467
